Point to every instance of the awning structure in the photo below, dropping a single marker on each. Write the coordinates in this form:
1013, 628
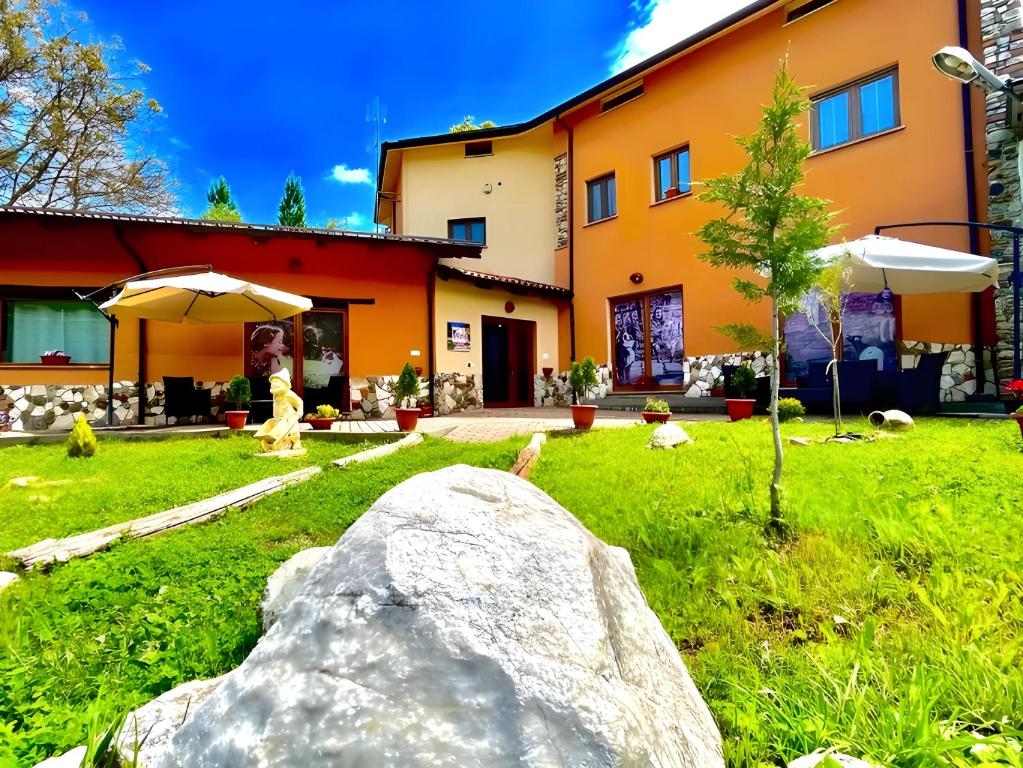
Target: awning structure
203, 297
879, 262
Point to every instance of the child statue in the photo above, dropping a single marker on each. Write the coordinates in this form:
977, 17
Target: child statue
279, 435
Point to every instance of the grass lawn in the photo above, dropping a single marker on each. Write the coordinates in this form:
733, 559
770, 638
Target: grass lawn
129, 479
886, 621
102, 635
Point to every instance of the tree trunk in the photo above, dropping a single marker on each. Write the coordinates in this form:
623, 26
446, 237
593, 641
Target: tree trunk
836, 398
776, 502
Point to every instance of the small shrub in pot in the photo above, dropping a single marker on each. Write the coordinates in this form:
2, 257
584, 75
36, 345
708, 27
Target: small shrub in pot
406, 390
582, 378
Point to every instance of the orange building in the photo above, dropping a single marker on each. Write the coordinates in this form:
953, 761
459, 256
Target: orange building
372, 303
894, 142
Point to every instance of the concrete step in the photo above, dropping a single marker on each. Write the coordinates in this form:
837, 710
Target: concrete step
677, 401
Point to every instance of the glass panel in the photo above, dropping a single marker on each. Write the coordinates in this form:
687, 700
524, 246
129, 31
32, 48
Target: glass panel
458, 231
833, 121
270, 347
683, 172
877, 105
322, 348
630, 342
666, 337
476, 232
663, 176
73, 327
868, 329
596, 209
804, 344
612, 197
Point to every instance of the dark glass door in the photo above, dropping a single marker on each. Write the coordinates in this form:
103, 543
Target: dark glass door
648, 341
508, 362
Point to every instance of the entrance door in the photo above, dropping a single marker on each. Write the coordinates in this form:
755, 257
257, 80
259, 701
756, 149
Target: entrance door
509, 360
647, 333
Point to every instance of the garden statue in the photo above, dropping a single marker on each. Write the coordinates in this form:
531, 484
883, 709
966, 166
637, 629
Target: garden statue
279, 436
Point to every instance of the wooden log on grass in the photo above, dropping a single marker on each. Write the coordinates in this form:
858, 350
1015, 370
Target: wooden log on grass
528, 456
61, 550
414, 438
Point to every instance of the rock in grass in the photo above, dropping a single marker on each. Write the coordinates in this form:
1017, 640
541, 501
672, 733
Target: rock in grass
668, 436
7, 578
72, 759
837, 760
468, 620
145, 738
286, 581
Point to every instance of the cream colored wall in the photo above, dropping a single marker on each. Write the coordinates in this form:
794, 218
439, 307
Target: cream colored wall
439, 183
461, 302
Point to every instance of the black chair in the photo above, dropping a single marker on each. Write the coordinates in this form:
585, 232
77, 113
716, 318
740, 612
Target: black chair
919, 389
181, 398
856, 380
262, 406
339, 393
814, 388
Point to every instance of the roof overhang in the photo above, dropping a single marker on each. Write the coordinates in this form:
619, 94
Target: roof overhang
501, 282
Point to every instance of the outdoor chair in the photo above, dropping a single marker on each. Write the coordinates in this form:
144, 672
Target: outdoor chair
339, 394
919, 388
813, 389
856, 381
261, 408
182, 398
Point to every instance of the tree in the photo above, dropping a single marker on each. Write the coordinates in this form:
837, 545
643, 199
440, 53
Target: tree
828, 297
291, 212
770, 229
71, 119
468, 125
222, 206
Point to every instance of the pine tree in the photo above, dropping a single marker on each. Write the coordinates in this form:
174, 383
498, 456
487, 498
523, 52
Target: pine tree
291, 212
222, 206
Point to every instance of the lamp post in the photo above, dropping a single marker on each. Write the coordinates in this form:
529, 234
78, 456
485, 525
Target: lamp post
957, 63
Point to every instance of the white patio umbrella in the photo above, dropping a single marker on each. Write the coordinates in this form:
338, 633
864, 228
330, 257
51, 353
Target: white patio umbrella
906, 267
204, 297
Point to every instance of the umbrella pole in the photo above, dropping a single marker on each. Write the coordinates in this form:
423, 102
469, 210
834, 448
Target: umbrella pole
1015, 305
110, 376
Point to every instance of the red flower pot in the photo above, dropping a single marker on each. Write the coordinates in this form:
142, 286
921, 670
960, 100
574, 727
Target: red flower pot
739, 409
321, 424
407, 418
583, 415
548, 372
717, 391
670, 192
55, 359
236, 419
655, 417
1018, 418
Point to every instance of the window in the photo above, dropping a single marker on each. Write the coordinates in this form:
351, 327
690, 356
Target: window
860, 109
671, 174
805, 9
620, 98
77, 328
470, 230
601, 198
479, 148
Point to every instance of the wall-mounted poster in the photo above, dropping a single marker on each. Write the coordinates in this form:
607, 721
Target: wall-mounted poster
269, 347
868, 329
458, 337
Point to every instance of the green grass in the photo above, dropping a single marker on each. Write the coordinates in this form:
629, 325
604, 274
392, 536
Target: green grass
129, 479
886, 620
105, 634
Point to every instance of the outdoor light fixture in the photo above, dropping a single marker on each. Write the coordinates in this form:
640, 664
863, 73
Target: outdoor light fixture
959, 64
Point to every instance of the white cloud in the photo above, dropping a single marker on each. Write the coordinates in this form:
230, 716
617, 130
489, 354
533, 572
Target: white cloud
353, 222
345, 175
662, 23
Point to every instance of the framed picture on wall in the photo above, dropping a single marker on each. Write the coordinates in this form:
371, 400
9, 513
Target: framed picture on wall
458, 337
270, 347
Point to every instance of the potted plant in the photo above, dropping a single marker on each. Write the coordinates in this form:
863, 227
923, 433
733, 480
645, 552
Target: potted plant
406, 390
745, 381
55, 357
656, 411
670, 192
718, 389
547, 372
1017, 416
239, 394
582, 378
324, 417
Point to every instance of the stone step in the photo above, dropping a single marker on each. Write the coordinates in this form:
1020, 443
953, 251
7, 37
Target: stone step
677, 402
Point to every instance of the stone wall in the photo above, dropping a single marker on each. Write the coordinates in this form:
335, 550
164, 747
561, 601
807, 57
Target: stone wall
561, 201
1002, 33
555, 391
456, 392
958, 377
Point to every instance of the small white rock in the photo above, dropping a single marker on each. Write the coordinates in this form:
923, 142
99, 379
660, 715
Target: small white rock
7, 578
72, 759
815, 759
668, 436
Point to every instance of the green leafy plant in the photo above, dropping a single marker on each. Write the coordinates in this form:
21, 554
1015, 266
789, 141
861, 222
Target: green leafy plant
744, 380
406, 388
653, 405
1019, 410
291, 211
770, 231
239, 392
82, 443
582, 378
789, 408
327, 412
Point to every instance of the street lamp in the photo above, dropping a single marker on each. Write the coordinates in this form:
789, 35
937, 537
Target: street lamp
959, 64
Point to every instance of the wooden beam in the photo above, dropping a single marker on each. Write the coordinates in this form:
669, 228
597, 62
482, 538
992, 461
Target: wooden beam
528, 456
413, 438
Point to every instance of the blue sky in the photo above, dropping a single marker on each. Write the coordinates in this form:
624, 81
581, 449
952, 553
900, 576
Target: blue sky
257, 90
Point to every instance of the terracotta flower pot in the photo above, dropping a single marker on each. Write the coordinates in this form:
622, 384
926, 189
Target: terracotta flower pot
322, 424
717, 391
548, 372
236, 419
739, 409
670, 192
583, 415
655, 417
1018, 418
55, 359
407, 418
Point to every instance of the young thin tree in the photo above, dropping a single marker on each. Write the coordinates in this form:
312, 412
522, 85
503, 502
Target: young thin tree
291, 212
72, 118
222, 206
769, 229
829, 296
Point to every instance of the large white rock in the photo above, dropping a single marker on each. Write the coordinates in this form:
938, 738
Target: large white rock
72, 759
845, 761
146, 736
286, 581
467, 620
668, 435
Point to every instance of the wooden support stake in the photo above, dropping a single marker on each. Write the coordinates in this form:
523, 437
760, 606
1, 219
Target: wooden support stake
413, 438
529, 456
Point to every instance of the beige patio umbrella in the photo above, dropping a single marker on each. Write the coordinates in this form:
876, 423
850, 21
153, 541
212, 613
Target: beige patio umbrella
203, 297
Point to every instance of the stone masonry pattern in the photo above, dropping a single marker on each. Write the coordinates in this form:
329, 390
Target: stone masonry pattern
561, 201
